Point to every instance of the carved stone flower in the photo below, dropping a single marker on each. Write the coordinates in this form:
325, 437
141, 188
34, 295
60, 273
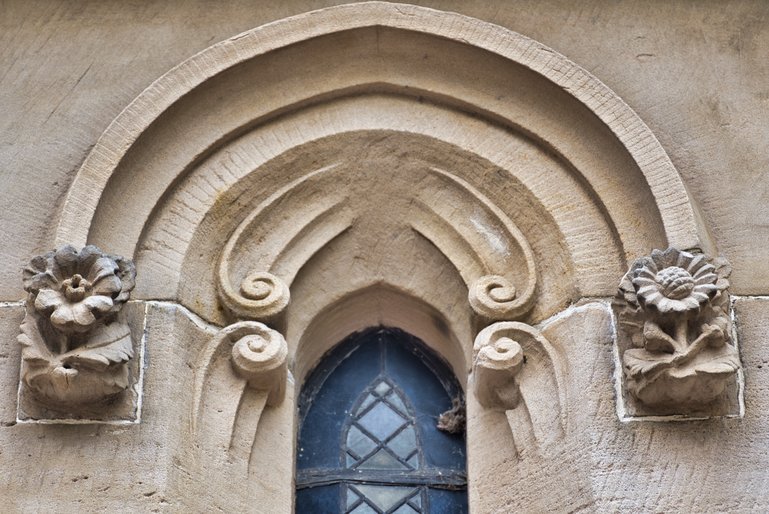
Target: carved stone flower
78, 288
673, 309
674, 281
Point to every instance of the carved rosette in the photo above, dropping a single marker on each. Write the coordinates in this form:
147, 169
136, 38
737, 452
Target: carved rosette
674, 308
75, 347
259, 356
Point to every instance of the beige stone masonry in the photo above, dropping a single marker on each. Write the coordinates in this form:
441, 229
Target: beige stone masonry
384, 164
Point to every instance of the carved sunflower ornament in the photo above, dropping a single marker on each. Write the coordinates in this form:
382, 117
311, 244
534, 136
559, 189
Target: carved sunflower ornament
674, 306
674, 281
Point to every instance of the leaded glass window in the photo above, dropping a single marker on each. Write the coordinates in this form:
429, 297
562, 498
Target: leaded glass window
368, 439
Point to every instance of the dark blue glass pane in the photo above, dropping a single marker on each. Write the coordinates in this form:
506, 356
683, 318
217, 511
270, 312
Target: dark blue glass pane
446, 502
321, 428
410, 369
368, 416
318, 500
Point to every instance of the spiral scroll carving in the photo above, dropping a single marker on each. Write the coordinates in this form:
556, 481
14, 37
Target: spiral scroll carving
261, 296
256, 354
259, 356
495, 298
498, 359
516, 368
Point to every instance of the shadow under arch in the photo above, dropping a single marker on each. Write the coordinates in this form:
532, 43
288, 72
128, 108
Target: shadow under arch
383, 305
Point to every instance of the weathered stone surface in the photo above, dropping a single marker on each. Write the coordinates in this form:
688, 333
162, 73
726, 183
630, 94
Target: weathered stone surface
380, 171
651, 466
155, 464
674, 335
78, 348
10, 361
523, 449
54, 114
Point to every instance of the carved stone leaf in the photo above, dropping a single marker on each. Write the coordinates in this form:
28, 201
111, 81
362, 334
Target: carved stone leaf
34, 351
627, 292
111, 344
101, 358
639, 362
724, 361
719, 367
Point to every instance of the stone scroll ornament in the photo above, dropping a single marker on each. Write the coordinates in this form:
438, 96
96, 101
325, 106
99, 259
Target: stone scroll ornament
259, 355
75, 347
674, 307
518, 371
495, 298
242, 370
261, 296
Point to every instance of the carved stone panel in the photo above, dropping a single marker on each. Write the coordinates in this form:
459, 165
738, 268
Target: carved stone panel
78, 350
677, 350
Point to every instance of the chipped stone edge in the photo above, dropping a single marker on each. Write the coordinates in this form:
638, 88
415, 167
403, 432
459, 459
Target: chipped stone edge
196, 319
139, 387
740, 372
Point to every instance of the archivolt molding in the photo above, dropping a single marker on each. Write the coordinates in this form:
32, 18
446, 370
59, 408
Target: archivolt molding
500, 182
491, 296
199, 193
287, 229
279, 236
667, 189
297, 222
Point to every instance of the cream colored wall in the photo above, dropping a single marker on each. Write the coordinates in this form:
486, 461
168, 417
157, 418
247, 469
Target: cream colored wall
696, 73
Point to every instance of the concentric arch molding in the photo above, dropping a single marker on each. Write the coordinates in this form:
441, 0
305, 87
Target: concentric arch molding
376, 164
663, 181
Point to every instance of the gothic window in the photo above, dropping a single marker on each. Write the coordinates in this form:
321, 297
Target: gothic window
368, 439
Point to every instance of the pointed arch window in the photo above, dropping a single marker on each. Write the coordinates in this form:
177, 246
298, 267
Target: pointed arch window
368, 440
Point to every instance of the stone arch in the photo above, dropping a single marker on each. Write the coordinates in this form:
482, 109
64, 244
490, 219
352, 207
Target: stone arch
373, 306
258, 155
512, 127
115, 146
329, 149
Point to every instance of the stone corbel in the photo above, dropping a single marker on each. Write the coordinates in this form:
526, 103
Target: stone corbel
242, 371
675, 328
259, 356
76, 343
516, 369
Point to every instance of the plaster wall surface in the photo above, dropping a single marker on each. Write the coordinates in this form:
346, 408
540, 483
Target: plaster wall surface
695, 72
